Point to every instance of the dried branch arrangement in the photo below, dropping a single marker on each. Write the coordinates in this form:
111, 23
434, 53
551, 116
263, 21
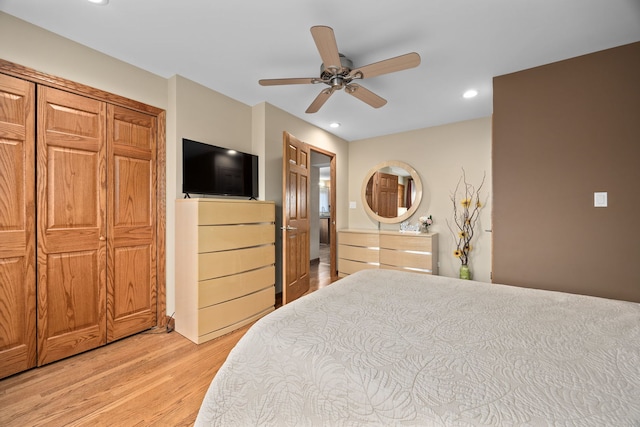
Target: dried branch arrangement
466, 207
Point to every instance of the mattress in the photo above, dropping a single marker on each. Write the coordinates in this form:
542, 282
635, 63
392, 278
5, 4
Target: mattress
385, 348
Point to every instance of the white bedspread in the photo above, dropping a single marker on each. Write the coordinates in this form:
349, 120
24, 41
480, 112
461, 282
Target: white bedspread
387, 348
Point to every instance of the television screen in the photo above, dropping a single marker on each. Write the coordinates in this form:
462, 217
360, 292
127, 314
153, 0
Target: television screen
208, 169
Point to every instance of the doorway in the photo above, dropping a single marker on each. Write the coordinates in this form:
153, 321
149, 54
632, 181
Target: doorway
322, 220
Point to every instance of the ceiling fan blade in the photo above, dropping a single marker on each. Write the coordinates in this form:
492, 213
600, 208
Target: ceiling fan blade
365, 95
390, 65
320, 100
327, 46
301, 81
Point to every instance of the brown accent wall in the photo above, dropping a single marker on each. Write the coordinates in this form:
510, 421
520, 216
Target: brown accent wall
561, 132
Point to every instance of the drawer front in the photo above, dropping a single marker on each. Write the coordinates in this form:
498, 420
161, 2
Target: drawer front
221, 289
346, 266
405, 259
390, 267
220, 332
227, 313
370, 240
235, 212
406, 242
218, 264
357, 253
225, 237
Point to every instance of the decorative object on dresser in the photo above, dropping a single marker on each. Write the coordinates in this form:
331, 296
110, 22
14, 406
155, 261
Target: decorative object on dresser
425, 222
464, 220
393, 250
225, 265
406, 227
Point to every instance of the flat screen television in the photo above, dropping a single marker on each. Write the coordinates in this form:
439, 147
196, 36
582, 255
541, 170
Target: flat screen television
211, 170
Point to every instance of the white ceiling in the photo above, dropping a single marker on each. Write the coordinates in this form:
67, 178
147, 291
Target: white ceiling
229, 45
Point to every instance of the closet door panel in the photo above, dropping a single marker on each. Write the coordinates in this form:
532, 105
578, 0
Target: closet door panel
17, 226
71, 197
131, 283
67, 275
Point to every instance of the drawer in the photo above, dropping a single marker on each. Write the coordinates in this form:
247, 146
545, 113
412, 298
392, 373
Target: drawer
406, 242
358, 253
221, 289
346, 266
421, 271
370, 240
235, 213
228, 313
405, 259
225, 237
225, 263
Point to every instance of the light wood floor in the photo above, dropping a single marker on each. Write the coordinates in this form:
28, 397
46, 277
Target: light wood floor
320, 274
154, 378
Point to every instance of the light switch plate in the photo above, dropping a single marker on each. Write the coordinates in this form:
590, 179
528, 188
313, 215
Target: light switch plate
352, 205
600, 199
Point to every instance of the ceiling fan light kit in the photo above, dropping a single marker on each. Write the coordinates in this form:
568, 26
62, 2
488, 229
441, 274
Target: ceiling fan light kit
338, 73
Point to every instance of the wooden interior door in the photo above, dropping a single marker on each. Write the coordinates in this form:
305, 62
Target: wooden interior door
71, 199
131, 271
17, 226
295, 218
387, 195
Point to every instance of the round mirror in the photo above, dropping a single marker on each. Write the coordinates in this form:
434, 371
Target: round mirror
391, 192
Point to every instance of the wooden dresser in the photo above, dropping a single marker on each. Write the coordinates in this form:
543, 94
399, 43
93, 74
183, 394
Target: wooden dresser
225, 265
364, 249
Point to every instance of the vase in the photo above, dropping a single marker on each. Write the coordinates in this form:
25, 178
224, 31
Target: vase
465, 273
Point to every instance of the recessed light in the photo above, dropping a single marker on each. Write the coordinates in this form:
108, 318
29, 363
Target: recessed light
334, 125
471, 93
100, 2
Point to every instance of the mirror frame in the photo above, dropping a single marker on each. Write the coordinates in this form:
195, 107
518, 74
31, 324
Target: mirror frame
414, 205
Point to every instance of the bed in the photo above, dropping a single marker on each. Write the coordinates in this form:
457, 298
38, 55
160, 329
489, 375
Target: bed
384, 348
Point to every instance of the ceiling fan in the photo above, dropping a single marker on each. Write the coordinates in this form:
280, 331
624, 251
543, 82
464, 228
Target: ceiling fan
337, 71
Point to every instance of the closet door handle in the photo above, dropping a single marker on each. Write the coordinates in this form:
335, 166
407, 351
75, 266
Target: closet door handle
102, 238
288, 228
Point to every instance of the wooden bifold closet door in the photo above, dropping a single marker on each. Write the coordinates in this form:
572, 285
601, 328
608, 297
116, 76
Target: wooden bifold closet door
72, 229
96, 223
131, 267
17, 226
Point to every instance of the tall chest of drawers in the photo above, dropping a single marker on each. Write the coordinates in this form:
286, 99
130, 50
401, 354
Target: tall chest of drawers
225, 265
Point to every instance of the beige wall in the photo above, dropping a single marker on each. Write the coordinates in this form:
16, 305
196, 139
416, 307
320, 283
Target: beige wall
438, 154
562, 132
207, 116
33, 47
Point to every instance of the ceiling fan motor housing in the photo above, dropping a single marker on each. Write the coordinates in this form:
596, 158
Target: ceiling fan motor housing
346, 65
